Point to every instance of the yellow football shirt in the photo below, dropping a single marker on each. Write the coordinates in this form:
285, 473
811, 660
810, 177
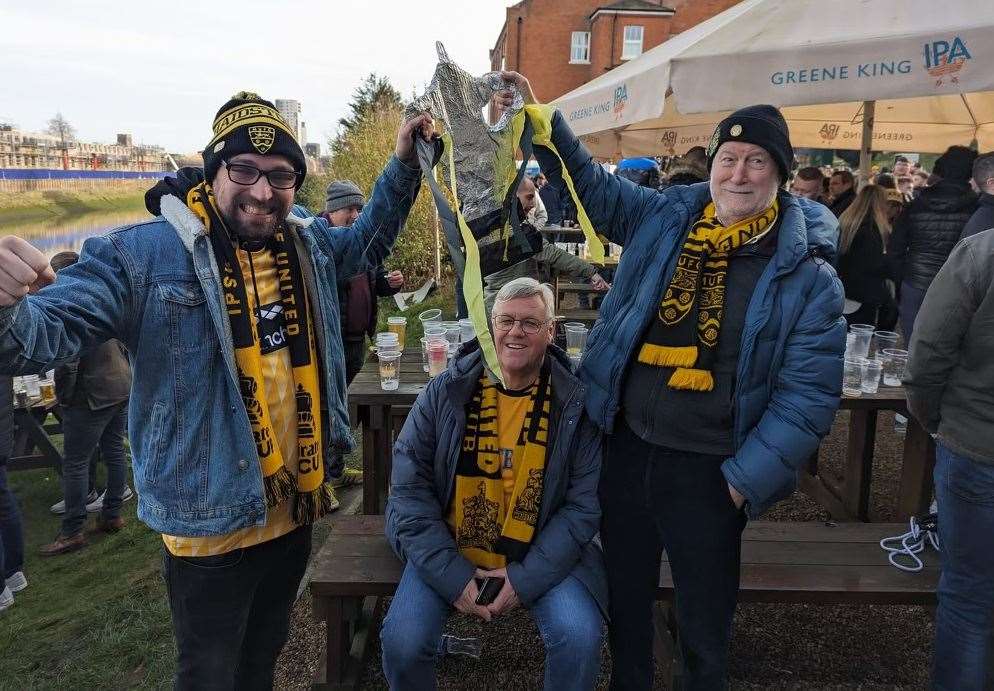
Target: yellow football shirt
262, 289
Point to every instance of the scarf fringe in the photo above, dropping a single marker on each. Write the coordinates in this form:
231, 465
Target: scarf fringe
668, 356
693, 379
308, 507
280, 486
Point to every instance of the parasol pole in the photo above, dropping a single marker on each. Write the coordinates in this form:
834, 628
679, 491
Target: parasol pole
866, 141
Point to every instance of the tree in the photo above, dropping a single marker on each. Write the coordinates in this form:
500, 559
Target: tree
374, 94
60, 127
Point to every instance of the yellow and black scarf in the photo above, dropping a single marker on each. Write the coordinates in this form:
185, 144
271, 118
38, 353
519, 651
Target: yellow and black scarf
312, 498
486, 533
698, 289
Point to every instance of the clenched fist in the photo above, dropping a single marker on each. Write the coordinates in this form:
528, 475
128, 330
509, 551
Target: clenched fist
23, 269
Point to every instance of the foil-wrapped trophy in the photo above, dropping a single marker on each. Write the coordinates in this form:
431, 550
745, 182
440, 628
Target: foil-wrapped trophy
482, 157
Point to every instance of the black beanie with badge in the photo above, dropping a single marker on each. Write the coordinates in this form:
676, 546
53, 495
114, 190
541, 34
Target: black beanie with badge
248, 124
761, 125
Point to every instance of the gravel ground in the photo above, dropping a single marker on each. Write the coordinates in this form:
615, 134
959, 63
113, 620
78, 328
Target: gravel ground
827, 647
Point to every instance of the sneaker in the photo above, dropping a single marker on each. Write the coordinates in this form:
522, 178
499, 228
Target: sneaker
6, 598
63, 545
17, 582
349, 478
59, 507
109, 525
334, 505
97, 503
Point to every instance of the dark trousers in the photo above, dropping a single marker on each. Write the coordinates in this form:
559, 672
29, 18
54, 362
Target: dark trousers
911, 302
231, 612
86, 430
355, 356
654, 498
11, 532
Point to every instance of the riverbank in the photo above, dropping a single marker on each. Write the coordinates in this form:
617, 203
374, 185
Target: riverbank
26, 207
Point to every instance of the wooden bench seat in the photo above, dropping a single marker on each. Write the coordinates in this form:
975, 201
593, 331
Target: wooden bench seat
781, 562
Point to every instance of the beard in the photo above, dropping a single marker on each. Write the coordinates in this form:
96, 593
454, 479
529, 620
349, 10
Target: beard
250, 219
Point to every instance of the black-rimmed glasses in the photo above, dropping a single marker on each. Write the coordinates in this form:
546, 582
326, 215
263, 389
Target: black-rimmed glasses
242, 174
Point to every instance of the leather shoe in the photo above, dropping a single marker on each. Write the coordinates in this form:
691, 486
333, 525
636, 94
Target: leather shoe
109, 525
63, 545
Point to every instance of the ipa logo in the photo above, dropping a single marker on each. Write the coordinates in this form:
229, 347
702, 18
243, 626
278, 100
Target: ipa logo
829, 131
620, 99
945, 58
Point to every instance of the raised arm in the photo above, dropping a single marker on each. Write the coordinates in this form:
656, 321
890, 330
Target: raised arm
89, 304
614, 205
369, 240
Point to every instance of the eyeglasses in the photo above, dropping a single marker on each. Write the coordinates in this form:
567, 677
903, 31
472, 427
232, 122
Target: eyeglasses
504, 322
242, 174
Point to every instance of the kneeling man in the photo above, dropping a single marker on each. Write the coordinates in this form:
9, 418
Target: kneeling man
499, 481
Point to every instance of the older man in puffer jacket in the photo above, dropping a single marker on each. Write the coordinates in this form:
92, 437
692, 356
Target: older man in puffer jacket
715, 368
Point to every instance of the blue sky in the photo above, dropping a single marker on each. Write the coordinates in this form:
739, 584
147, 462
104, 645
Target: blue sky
135, 66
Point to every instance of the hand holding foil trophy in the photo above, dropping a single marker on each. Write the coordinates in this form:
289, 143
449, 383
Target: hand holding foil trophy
484, 232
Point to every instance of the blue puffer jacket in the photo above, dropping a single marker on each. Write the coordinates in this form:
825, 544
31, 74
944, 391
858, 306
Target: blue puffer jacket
424, 470
789, 376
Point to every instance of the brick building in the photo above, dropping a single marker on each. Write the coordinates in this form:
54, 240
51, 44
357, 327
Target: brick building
561, 44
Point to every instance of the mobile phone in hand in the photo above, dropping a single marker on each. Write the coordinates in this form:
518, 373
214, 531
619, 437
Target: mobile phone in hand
489, 589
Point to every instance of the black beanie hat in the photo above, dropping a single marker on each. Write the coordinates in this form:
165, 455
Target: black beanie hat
248, 124
760, 125
956, 164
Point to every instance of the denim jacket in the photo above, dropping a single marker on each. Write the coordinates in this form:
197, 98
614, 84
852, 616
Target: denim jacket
155, 287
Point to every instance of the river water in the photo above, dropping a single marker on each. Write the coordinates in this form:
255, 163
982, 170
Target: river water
69, 232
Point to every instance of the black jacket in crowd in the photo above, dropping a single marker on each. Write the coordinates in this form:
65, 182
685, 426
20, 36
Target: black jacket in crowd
862, 268
982, 219
842, 202
378, 287
926, 232
99, 379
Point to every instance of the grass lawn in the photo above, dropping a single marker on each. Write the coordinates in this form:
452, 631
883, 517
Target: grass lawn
93, 619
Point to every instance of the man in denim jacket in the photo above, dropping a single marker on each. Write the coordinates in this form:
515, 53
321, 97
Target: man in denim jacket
227, 305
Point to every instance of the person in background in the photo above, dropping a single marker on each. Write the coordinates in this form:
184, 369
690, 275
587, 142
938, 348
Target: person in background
920, 178
551, 196
902, 166
905, 185
842, 188
93, 392
12, 578
896, 203
808, 183
885, 180
983, 180
541, 266
950, 387
863, 233
926, 232
357, 304
357, 294
688, 169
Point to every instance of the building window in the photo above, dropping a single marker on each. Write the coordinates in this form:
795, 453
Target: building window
633, 43
580, 47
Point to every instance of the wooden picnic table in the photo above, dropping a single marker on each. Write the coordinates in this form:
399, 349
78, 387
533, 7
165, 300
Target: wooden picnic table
32, 447
846, 498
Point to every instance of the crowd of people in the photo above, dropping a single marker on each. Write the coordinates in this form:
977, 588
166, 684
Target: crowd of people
712, 376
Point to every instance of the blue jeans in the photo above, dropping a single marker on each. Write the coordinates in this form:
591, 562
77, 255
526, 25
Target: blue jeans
85, 430
911, 303
11, 533
567, 617
964, 490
